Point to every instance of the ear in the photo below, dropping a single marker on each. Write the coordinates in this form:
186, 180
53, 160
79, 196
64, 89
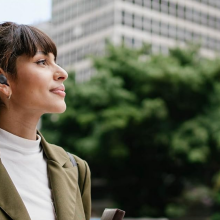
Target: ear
5, 89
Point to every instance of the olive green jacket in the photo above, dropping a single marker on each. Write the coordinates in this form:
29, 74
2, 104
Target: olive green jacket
70, 191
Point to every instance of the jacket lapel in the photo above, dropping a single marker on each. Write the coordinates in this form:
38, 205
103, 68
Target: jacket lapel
10, 200
63, 178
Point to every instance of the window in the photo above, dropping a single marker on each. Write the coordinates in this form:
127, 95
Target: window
180, 33
204, 19
172, 8
128, 41
138, 22
147, 3
164, 7
180, 11
139, 2
155, 5
204, 41
155, 27
211, 21
187, 35
164, 29
189, 14
196, 16
196, 38
128, 19
147, 24
217, 23
172, 31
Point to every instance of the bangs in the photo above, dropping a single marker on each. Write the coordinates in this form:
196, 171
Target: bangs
30, 40
16, 40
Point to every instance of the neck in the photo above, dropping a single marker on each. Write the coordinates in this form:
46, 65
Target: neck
20, 124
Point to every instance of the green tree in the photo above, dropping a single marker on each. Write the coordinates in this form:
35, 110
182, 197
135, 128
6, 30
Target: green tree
149, 125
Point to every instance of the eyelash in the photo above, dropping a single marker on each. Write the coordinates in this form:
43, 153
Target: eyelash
41, 62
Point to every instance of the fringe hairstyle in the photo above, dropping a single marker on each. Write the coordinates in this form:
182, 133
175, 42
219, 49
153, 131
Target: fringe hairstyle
16, 40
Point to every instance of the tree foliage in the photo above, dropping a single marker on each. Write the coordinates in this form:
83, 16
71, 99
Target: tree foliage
149, 125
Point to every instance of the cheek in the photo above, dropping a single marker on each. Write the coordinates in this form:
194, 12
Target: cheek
31, 85
33, 78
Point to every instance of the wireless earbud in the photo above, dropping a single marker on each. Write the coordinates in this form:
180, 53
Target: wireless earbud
3, 80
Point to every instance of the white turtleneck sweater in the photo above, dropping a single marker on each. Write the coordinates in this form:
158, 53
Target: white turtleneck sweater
27, 167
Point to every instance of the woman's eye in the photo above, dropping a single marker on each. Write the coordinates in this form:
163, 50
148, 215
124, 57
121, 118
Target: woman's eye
41, 62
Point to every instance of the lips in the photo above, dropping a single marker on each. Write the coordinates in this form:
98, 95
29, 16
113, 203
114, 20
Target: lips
60, 90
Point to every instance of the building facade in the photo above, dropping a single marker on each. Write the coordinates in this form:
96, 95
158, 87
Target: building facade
81, 27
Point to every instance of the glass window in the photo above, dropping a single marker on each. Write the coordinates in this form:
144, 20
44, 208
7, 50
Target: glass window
138, 21
189, 14
172, 8
188, 35
155, 27
204, 1
147, 3
155, 5
218, 45
212, 2
164, 29
128, 19
118, 17
217, 23
196, 38
147, 24
164, 7
128, 41
218, 3
204, 40
172, 31
204, 19
196, 16
123, 17
180, 33
211, 21
180, 11
138, 2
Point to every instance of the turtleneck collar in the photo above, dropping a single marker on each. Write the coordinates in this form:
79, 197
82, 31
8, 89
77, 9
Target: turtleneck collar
19, 144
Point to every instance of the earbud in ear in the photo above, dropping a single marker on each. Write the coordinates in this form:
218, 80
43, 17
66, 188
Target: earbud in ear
3, 79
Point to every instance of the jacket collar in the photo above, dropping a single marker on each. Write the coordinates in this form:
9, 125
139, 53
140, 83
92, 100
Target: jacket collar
63, 181
53, 153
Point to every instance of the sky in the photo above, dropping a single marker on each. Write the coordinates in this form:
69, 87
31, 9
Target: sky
25, 11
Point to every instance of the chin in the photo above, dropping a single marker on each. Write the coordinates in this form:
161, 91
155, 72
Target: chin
59, 109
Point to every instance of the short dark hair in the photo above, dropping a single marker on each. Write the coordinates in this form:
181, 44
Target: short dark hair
19, 39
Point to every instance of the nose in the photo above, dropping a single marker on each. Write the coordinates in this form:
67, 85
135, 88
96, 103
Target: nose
60, 74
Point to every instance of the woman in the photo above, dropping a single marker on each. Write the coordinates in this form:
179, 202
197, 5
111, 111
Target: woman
37, 179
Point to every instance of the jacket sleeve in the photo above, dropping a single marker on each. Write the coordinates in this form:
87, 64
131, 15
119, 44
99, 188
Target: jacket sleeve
86, 193
85, 185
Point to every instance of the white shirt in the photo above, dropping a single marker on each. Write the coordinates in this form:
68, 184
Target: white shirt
27, 167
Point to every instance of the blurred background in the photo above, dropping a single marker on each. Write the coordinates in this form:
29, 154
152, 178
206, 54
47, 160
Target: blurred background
143, 99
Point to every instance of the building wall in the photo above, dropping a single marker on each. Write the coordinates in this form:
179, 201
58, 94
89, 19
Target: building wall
81, 27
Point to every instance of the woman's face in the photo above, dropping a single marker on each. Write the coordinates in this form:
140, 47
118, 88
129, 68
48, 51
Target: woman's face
38, 87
